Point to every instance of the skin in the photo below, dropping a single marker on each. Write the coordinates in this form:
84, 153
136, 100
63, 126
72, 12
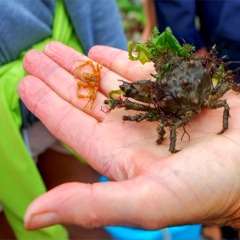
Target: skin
151, 19
152, 188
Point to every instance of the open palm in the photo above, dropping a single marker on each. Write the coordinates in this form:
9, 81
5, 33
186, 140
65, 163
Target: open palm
152, 188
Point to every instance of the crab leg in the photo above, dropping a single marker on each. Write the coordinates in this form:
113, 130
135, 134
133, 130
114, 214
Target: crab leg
173, 139
138, 118
173, 131
161, 133
218, 104
135, 106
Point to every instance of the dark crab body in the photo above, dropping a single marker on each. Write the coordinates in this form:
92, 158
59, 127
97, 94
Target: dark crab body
181, 89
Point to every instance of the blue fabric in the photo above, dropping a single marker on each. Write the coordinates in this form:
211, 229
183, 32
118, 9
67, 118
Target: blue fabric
180, 16
188, 232
35, 19
94, 21
219, 19
102, 23
219, 24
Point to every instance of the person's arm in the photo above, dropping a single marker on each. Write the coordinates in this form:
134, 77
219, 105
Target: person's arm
151, 19
152, 188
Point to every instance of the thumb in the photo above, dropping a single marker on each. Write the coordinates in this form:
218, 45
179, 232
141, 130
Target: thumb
88, 205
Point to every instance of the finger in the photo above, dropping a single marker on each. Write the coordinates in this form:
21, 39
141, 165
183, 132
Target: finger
62, 82
118, 61
150, 201
93, 205
70, 59
62, 119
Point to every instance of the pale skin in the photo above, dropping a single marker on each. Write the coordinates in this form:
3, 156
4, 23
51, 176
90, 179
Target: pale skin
150, 19
152, 187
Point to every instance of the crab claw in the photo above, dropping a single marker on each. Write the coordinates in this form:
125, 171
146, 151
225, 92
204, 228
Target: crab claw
140, 90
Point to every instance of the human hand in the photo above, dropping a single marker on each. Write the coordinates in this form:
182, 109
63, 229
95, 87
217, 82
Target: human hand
152, 188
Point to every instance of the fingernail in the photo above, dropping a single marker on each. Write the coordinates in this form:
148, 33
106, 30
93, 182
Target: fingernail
31, 61
26, 83
35, 221
58, 52
21, 91
53, 47
95, 52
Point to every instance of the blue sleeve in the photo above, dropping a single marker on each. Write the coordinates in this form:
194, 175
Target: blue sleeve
22, 25
229, 20
97, 23
180, 17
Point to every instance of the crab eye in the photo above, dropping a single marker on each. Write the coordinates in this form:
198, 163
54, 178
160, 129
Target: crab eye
125, 87
154, 99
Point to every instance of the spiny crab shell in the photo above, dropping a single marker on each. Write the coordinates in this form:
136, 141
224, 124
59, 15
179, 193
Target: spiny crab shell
183, 86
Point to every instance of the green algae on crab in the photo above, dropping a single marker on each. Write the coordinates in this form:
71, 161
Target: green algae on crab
157, 47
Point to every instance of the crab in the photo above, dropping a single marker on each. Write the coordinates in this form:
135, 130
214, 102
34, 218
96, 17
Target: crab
181, 87
89, 80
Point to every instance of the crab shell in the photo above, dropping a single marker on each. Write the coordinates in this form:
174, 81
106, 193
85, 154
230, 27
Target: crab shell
184, 88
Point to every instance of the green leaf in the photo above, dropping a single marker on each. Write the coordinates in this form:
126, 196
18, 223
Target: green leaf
167, 41
141, 50
158, 46
115, 94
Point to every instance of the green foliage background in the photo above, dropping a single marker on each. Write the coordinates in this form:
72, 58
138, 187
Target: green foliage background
133, 18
